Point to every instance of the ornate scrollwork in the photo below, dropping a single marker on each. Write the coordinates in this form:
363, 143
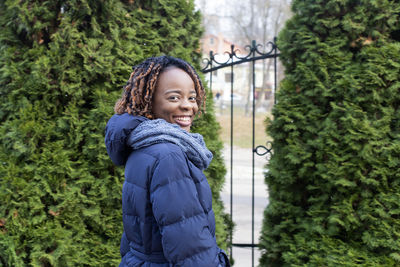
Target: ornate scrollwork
267, 150
234, 58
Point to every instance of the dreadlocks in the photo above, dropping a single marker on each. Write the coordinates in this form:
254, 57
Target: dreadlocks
138, 92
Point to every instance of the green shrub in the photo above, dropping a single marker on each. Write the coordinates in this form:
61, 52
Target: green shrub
334, 180
62, 67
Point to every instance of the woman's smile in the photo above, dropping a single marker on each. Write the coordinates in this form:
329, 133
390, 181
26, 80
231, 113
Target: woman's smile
183, 121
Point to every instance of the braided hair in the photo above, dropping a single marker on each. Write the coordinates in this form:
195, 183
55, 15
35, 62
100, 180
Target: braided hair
139, 90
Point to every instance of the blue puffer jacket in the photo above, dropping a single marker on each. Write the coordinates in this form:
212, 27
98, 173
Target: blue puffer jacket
166, 203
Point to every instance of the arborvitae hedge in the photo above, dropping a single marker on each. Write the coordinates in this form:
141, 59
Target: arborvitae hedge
334, 179
62, 67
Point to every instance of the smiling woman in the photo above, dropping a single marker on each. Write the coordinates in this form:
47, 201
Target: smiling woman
175, 98
166, 199
137, 98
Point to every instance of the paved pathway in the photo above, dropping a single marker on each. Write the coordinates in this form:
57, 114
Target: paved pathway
242, 191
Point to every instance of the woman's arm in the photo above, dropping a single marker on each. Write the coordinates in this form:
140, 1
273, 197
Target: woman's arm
184, 222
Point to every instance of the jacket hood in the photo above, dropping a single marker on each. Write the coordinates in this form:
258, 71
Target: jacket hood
117, 132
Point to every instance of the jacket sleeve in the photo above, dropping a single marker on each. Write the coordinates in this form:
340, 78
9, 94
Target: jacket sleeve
124, 246
184, 225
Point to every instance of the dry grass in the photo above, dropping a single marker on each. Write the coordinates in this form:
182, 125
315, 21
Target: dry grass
242, 128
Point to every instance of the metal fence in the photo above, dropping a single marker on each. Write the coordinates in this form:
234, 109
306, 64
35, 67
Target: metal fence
234, 58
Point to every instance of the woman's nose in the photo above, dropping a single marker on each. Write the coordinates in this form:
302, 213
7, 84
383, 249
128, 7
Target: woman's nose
186, 104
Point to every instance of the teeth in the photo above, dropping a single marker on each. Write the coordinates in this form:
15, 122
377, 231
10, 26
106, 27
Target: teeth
183, 118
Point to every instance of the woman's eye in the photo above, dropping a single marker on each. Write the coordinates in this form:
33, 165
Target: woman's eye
192, 98
173, 98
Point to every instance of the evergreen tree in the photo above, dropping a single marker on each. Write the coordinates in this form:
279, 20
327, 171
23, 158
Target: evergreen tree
62, 67
334, 180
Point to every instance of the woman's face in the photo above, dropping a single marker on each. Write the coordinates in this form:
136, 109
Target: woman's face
174, 99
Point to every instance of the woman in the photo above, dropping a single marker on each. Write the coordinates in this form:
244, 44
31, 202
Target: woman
166, 200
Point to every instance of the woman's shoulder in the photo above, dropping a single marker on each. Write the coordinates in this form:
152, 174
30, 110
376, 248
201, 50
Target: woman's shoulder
159, 157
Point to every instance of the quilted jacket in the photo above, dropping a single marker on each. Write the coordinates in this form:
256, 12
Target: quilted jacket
166, 203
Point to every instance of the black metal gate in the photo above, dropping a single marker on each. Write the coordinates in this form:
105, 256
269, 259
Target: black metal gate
213, 65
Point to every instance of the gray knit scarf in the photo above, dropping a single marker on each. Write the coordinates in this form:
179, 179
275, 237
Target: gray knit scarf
156, 131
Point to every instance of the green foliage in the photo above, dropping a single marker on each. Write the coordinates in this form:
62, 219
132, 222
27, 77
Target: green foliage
333, 179
62, 67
